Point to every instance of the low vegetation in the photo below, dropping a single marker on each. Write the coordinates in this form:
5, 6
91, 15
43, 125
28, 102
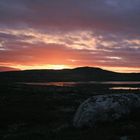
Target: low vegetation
46, 112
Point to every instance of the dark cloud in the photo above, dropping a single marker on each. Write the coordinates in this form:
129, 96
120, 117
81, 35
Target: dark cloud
89, 14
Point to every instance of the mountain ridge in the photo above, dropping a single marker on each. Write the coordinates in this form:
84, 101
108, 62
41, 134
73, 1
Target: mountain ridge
76, 74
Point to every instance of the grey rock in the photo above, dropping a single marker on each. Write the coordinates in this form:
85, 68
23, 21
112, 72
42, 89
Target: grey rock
105, 108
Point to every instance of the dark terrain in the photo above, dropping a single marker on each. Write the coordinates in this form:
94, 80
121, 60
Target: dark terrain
35, 112
77, 74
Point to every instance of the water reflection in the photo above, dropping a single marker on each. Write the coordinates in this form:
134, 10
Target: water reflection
122, 82
124, 88
70, 84
60, 84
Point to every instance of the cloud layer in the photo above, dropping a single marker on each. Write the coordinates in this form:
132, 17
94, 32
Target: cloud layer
103, 33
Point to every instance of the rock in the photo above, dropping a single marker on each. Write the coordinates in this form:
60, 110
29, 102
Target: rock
105, 108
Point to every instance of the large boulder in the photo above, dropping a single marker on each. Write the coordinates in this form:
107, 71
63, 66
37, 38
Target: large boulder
101, 108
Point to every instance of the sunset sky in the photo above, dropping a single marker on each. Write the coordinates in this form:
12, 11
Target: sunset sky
56, 34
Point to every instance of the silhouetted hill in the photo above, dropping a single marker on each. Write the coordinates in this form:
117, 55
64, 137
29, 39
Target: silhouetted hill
77, 74
3, 68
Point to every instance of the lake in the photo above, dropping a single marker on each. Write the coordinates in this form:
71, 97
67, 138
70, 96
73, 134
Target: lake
114, 85
125, 88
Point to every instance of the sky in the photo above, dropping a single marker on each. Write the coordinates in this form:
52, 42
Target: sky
56, 34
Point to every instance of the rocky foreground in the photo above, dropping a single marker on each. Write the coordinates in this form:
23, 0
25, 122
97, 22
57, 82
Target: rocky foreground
107, 108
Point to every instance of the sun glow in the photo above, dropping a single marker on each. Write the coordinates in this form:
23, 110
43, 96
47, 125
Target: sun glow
55, 67
123, 69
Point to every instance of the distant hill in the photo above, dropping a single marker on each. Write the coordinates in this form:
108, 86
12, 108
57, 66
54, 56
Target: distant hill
77, 74
3, 68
